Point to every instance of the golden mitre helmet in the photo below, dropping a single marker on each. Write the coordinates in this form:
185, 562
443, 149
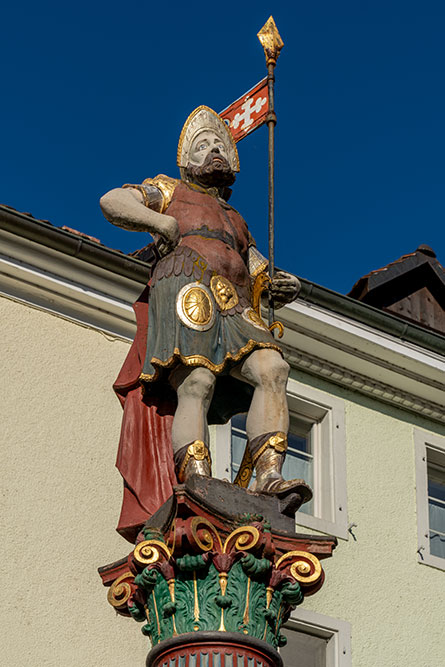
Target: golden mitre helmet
204, 118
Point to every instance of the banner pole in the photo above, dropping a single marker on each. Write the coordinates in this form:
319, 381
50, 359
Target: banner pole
271, 126
272, 45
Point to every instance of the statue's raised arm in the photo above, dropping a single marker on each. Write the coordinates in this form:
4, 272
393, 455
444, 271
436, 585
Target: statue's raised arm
138, 208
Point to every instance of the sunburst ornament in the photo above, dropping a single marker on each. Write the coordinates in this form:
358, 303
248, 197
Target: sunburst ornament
197, 306
194, 307
271, 41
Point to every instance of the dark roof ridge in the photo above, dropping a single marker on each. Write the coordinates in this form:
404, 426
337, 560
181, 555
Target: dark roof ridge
425, 250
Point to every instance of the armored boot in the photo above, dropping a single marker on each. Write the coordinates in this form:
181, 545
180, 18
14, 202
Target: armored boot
193, 459
268, 453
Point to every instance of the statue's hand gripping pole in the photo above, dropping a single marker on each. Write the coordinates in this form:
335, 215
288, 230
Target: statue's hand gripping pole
261, 284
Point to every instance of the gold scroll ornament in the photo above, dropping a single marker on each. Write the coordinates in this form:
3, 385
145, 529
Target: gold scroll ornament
120, 591
305, 567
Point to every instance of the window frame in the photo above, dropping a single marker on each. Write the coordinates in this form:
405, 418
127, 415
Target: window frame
327, 413
336, 632
424, 441
329, 447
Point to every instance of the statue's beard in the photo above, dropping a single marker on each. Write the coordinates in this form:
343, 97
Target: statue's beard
212, 172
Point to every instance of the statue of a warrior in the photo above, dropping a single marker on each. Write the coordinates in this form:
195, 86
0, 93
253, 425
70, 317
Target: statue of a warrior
204, 353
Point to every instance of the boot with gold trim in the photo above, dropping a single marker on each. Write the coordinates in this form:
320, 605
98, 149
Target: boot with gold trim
193, 459
268, 453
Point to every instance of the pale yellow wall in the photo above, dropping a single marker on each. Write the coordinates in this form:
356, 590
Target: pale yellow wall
60, 494
396, 606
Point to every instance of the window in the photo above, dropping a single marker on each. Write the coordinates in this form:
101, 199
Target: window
315, 640
299, 462
436, 503
430, 491
316, 454
238, 440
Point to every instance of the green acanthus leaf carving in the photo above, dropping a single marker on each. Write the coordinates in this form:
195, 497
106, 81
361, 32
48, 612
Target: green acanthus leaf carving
168, 609
189, 563
147, 579
255, 566
271, 616
150, 628
208, 590
257, 608
185, 601
236, 591
136, 612
153, 534
160, 627
148, 631
223, 601
292, 593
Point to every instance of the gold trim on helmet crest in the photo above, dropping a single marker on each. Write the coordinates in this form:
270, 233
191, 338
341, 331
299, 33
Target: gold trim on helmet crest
204, 118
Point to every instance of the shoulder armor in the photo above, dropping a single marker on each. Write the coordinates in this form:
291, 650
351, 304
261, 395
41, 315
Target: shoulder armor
256, 262
166, 185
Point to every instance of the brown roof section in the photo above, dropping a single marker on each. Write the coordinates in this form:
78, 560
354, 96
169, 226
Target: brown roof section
30, 215
64, 227
82, 234
412, 287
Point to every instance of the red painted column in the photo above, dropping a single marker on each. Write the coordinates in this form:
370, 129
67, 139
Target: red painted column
213, 649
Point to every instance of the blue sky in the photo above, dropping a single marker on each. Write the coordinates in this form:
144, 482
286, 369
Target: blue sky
95, 95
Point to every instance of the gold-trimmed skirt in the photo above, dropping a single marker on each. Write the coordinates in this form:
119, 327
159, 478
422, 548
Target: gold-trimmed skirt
223, 343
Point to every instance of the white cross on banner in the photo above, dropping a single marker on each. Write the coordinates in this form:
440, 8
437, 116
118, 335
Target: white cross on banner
248, 112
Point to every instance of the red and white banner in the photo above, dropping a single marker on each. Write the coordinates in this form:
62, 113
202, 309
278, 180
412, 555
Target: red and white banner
248, 112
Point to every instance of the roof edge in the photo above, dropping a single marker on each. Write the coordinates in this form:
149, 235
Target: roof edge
371, 316
68, 243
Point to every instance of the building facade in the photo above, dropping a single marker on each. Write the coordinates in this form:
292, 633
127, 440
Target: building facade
366, 395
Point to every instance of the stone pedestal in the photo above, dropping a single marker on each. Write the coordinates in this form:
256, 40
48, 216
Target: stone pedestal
214, 575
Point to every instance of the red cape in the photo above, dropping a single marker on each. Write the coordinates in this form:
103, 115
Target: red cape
145, 455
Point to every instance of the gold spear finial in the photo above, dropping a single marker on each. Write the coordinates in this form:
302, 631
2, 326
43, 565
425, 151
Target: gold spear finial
271, 41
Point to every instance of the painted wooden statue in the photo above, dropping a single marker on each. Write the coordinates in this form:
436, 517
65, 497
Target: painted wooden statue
202, 353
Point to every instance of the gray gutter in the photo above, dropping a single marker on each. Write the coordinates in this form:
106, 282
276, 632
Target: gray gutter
373, 317
46, 234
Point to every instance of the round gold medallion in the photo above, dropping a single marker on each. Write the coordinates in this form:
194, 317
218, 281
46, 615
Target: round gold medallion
194, 306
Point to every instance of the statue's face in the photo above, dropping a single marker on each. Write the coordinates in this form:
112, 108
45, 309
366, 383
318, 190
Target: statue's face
207, 143
208, 163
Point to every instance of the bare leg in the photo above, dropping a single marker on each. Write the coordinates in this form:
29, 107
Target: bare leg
194, 387
267, 371
268, 423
